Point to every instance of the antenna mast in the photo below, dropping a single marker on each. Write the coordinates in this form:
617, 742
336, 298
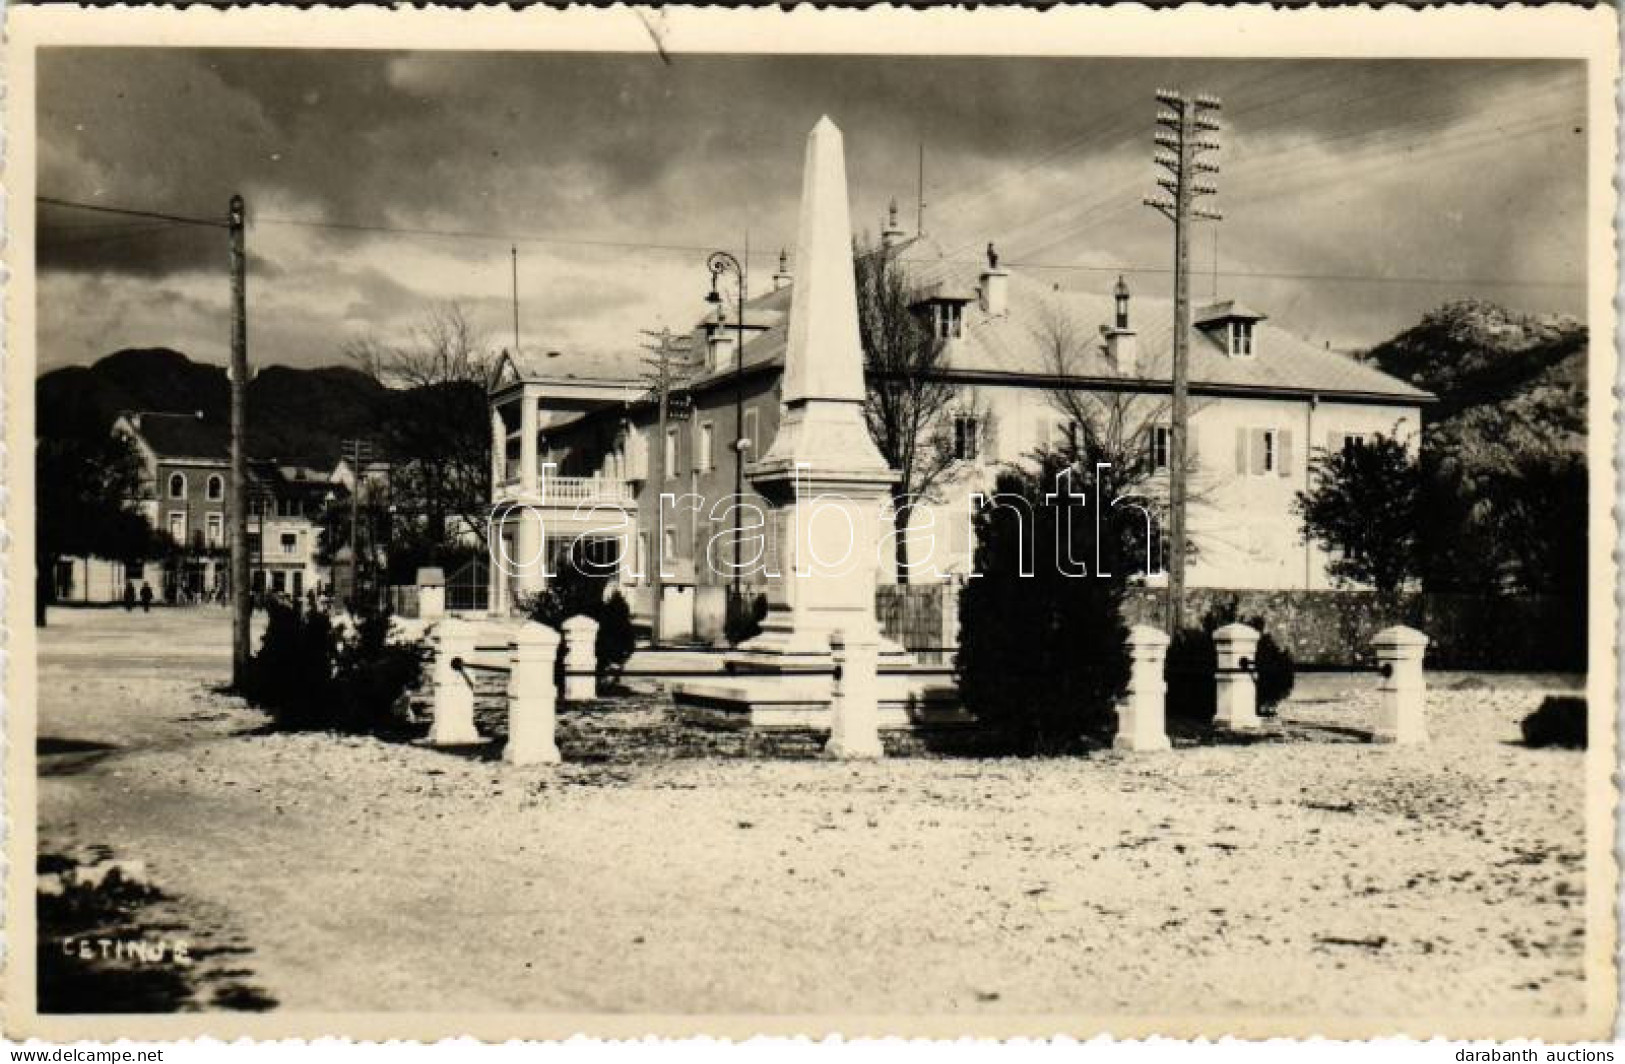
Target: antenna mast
513, 251
919, 214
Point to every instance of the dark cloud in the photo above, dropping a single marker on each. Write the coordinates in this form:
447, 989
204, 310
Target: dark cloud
1049, 155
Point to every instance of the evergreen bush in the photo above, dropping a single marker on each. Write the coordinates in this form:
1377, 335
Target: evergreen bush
311, 676
579, 589
744, 618
1192, 667
1042, 655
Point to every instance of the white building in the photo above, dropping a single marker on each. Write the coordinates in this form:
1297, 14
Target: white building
1021, 353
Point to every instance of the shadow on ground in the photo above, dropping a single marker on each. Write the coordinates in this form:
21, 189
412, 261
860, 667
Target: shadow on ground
92, 911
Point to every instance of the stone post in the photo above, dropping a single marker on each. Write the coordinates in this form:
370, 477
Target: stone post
431, 594
453, 690
1140, 714
1235, 646
532, 696
1402, 713
854, 730
580, 659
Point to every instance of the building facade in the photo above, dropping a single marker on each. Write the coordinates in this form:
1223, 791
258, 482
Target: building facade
184, 497
1026, 360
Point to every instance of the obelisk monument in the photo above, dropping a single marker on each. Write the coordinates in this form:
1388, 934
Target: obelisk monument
823, 474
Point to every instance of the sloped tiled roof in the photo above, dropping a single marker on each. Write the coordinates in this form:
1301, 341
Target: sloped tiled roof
580, 365
1022, 342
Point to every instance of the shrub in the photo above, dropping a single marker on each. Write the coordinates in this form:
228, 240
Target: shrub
1560, 720
370, 673
576, 590
1042, 655
311, 676
1191, 672
1193, 665
616, 639
291, 677
744, 618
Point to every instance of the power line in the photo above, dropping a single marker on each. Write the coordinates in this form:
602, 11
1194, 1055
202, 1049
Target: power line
1455, 142
130, 212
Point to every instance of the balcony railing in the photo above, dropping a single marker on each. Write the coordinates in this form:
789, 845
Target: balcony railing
572, 491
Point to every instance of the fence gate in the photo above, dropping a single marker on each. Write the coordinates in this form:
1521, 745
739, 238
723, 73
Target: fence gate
468, 588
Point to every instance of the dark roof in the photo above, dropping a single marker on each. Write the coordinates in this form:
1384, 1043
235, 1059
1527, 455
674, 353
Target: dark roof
185, 437
1226, 310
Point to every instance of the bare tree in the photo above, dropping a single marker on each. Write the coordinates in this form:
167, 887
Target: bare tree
911, 405
434, 428
442, 347
1115, 424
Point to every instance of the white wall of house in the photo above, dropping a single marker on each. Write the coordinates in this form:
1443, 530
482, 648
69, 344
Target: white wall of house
1252, 457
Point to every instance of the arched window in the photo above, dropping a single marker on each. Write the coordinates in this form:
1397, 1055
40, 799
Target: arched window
177, 485
217, 488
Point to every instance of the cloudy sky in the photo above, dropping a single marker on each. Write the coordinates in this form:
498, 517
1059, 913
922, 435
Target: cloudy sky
1357, 194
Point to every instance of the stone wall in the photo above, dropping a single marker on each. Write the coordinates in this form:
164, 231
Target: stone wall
1332, 628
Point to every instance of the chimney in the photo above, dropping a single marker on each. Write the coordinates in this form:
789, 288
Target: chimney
719, 344
1122, 346
783, 277
995, 287
891, 234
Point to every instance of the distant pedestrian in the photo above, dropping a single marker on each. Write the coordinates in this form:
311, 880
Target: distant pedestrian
129, 595
146, 597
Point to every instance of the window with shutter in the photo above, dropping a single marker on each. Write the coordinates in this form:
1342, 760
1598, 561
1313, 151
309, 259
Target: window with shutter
1161, 446
1283, 457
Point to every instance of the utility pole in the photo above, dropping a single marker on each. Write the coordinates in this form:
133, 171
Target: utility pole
240, 602
1187, 120
359, 452
661, 346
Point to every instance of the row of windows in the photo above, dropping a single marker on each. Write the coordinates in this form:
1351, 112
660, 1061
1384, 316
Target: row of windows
705, 446
215, 491
213, 533
215, 488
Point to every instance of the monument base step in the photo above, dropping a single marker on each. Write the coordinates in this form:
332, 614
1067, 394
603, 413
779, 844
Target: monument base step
790, 701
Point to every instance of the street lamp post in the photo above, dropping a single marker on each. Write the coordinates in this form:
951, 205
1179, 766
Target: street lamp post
721, 262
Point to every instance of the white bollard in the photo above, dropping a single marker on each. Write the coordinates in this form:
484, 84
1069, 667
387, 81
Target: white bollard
1402, 713
453, 690
431, 594
1235, 646
532, 697
1141, 712
580, 659
854, 728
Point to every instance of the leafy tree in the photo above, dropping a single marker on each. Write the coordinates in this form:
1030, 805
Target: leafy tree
87, 487
1042, 655
1363, 506
911, 407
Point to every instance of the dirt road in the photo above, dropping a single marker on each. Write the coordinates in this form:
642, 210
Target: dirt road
1314, 875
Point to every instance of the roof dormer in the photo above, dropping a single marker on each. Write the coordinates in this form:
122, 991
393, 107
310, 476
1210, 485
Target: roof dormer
941, 306
1232, 326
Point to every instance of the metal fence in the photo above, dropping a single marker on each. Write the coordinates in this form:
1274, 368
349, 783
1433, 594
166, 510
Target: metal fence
468, 587
924, 618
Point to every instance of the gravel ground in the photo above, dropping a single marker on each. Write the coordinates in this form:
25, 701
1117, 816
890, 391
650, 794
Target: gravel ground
1309, 874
